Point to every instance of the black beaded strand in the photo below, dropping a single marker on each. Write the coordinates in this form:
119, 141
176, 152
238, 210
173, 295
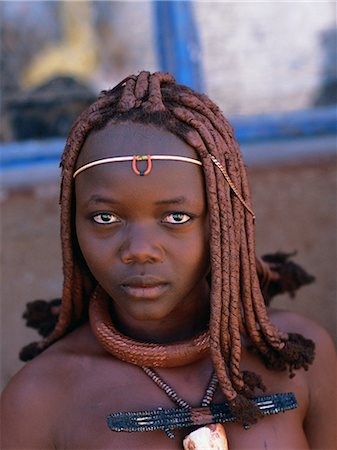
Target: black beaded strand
171, 393
210, 391
165, 387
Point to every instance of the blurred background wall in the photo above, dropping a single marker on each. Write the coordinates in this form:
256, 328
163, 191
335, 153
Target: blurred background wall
269, 56
271, 67
257, 56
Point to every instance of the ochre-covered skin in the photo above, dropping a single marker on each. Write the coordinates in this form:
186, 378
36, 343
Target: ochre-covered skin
200, 126
172, 255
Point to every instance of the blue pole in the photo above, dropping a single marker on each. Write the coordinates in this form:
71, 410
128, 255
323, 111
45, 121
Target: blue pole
177, 42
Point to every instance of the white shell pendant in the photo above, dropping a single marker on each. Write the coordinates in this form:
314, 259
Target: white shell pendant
210, 437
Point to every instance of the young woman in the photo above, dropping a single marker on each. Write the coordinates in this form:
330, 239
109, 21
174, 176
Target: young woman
158, 247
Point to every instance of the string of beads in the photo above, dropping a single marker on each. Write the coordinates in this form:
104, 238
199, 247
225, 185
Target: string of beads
171, 393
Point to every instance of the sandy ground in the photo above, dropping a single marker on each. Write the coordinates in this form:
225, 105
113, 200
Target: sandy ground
295, 207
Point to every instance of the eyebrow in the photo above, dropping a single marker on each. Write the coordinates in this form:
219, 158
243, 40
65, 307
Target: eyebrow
99, 199
170, 201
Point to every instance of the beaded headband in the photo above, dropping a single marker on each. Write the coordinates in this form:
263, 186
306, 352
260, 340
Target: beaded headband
150, 158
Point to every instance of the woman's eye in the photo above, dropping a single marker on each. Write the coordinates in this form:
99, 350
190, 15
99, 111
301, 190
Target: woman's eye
177, 218
105, 218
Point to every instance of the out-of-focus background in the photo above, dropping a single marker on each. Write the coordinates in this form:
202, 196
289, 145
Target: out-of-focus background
271, 67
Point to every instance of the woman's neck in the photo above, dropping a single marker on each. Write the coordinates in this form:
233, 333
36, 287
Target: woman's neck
183, 323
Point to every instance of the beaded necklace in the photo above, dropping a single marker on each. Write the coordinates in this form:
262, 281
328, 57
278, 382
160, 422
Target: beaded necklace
171, 393
170, 355
206, 401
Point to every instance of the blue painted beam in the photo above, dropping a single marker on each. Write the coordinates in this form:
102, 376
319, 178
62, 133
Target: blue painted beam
293, 124
177, 42
21, 154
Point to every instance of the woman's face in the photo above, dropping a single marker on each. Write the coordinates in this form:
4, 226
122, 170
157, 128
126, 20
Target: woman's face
144, 238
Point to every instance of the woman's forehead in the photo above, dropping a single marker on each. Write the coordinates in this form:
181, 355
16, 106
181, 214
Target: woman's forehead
128, 139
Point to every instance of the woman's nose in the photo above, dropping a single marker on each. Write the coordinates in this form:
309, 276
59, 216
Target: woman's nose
141, 246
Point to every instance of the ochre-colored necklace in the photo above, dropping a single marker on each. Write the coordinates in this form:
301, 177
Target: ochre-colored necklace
172, 355
156, 355
175, 354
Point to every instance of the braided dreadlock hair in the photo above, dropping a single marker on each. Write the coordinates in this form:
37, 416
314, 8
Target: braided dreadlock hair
236, 303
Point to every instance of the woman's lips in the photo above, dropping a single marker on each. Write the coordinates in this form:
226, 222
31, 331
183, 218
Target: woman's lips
148, 287
150, 292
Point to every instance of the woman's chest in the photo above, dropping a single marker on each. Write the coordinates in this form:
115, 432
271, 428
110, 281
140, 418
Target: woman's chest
85, 425
273, 433
121, 388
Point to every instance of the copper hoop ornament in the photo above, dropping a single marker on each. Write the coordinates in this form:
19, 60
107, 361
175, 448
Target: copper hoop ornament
147, 158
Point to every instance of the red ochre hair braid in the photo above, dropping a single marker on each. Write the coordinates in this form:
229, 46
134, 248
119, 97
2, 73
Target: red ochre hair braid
236, 303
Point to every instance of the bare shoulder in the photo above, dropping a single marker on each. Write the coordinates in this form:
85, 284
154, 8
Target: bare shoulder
325, 353
26, 414
33, 400
321, 378
290, 321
